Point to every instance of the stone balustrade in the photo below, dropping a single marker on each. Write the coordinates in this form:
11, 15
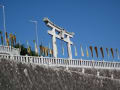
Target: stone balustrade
57, 62
9, 50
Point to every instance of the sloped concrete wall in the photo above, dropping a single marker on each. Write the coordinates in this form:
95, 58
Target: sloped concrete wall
18, 76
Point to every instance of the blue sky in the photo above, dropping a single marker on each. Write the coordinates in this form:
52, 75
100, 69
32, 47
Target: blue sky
94, 22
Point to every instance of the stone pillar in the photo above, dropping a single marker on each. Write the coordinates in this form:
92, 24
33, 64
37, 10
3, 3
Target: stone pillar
69, 48
54, 44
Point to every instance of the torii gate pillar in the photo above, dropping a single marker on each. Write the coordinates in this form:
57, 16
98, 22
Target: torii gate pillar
69, 48
54, 43
62, 35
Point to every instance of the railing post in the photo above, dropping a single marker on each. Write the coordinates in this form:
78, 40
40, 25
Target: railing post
41, 60
26, 59
76, 62
60, 62
84, 63
11, 57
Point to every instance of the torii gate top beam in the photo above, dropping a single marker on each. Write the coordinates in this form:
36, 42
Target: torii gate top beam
50, 24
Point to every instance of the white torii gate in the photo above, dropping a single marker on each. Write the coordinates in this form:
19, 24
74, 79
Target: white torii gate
61, 34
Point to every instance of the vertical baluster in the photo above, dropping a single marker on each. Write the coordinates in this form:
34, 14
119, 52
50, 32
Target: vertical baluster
70, 62
56, 61
41, 60
45, 60
117, 65
21, 59
95, 63
107, 64
114, 64
73, 62
50, 61
61, 61
79, 62
88, 63
17, 58
92, 63
98, 64
64, 62
111, 65
101, 64
38, 60
84, 63
34, 60
76, 62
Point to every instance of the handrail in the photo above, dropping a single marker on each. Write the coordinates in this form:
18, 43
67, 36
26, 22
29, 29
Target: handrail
63, 62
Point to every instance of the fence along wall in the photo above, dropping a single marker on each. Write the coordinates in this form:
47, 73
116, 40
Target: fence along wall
63, 62
9, 50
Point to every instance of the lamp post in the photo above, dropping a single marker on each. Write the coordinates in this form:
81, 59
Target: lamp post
3, 7
35, 22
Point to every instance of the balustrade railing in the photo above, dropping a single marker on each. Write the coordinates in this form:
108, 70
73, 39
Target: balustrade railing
63, 62
9, 50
